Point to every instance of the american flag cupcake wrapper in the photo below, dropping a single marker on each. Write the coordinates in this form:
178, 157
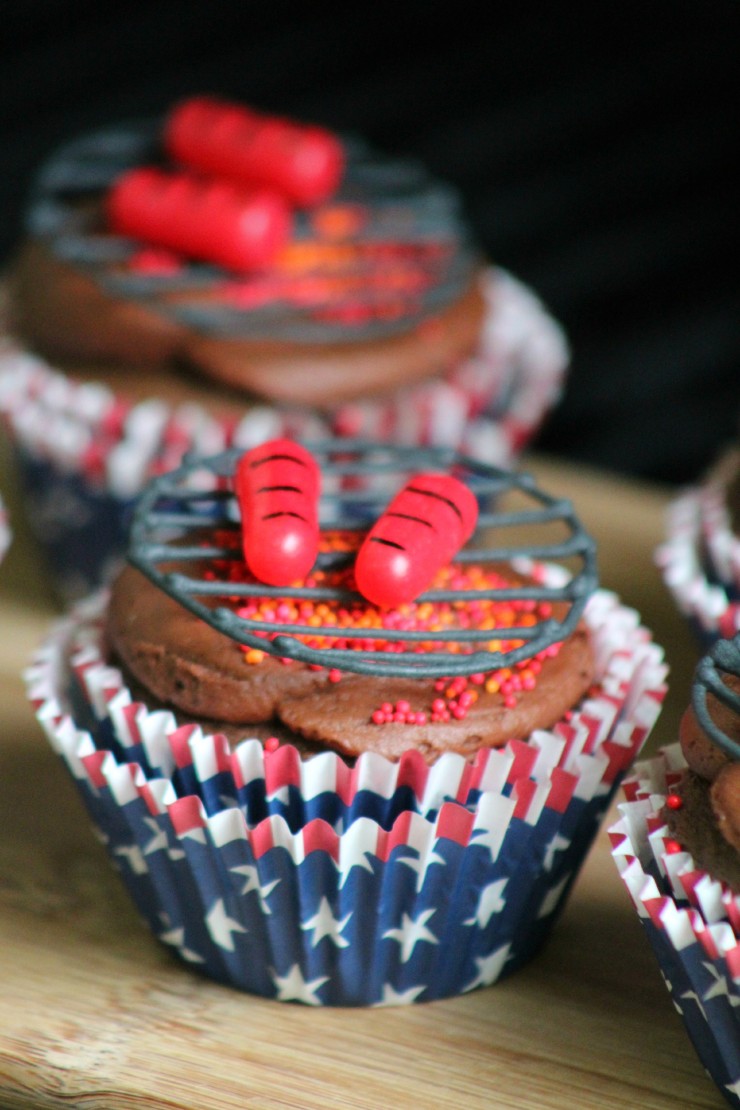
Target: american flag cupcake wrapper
691, 920
84, 455
313, 881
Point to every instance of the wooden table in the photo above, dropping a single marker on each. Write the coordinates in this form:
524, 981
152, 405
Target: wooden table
94, 1013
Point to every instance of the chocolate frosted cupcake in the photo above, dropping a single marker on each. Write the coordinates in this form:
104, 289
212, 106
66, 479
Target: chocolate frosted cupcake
678, 850
321, 771
368, 311
700, 559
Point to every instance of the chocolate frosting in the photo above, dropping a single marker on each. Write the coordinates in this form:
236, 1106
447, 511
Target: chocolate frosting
190, 666
485, 653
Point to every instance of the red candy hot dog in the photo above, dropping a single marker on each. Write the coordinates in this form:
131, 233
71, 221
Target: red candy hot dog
304, 163
277, 485
209, 220
422, 528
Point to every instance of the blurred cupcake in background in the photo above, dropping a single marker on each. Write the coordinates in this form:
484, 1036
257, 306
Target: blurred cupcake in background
319, 797
700, 558
345, 299
677, 847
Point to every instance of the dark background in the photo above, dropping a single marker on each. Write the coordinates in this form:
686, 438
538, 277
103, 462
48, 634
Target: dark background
594, 146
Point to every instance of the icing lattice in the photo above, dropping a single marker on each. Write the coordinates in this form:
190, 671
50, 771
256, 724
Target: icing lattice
183, 517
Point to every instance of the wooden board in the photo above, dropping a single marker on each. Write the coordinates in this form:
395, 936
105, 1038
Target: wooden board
94, 1013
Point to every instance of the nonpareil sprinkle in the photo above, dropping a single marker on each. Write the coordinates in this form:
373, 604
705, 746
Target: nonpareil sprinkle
325, 624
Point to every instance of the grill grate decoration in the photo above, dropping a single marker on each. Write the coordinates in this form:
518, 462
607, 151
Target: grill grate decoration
406, 255
723, 659
359, 479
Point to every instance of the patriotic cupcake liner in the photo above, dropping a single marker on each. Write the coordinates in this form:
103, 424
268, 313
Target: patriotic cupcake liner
720, 543
691, 920
4, 530
84, 455
699, 562
312, 880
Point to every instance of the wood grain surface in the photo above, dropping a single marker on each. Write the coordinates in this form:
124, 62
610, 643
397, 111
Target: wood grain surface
94, 1013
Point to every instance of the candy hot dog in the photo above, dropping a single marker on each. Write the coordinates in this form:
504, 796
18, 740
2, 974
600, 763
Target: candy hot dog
210, 220
277, 485
304, 163
421, 530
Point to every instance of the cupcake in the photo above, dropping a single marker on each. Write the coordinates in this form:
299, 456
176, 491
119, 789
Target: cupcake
700, 558
368, 311
677, 847
329, 790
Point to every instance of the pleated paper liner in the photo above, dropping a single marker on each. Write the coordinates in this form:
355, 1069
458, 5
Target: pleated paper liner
84, 454
708, 601
691, 920
720, 542
5, 534
316, 881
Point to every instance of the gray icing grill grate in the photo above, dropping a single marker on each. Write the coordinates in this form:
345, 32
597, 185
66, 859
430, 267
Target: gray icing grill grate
723, 659
405, 257
180, 515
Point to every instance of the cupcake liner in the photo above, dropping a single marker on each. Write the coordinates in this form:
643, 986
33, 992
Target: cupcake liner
720, 544
709, 602
311, 880
692, 921
84, 454
5, 535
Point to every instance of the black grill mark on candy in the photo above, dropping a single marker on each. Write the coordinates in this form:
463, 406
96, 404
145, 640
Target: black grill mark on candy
437, 497
410, 516
387, 543
284, 512
280, 489
276, 458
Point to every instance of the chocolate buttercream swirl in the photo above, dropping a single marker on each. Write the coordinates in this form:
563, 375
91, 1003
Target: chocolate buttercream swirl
183, 518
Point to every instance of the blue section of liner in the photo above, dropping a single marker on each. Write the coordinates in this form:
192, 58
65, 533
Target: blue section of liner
376, 931
709, 1005
81, 530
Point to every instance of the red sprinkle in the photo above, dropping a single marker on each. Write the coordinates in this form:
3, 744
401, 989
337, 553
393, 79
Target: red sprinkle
674, 801
272, 744
451, 697
672, 847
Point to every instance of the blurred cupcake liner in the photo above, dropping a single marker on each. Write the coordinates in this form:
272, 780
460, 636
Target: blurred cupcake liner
84, 454
691, 920
315, 881
720, 542
4, 530
697, 563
